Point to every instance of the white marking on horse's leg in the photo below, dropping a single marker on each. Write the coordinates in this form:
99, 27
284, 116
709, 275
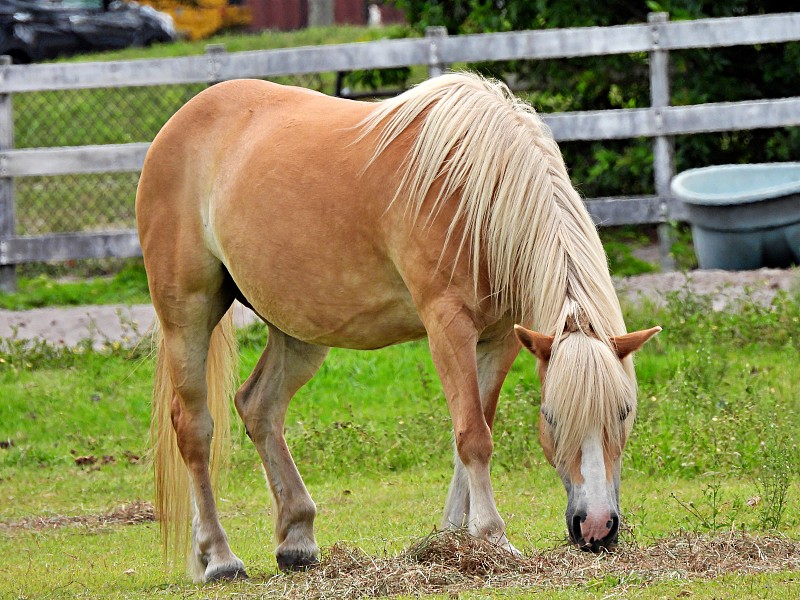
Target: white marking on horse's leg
284, 367
485, 521
456, 507
197, 568
453, 342
209, 558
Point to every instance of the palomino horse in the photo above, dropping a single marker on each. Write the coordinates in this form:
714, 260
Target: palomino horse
446, 212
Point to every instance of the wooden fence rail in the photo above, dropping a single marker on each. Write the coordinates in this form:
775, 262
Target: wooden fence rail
661, 121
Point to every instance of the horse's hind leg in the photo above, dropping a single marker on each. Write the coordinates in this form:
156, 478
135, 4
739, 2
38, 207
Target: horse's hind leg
494, 359
285, 366
191, 292
187, 348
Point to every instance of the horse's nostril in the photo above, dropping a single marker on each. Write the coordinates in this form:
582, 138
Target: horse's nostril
575, 529
613, 528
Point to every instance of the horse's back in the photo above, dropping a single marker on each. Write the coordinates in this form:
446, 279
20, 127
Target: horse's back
228, 119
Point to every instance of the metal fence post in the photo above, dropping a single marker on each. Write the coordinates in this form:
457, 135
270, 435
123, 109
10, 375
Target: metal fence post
663, 146
8, 273
434, 36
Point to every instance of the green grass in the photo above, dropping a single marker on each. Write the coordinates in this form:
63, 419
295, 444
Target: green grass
126, 286
717, 426
620, 244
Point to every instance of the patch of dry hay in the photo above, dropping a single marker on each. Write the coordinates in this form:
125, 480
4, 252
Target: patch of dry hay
132, 513
452, 562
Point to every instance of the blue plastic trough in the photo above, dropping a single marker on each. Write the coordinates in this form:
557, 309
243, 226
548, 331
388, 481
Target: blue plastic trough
743, 216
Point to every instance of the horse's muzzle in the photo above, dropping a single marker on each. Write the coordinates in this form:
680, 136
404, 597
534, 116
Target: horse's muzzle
593, 535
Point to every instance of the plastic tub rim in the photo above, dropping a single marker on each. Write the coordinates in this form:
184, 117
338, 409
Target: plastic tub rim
688, 196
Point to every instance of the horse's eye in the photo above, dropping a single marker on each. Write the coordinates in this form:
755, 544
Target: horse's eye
624, 412
548, 417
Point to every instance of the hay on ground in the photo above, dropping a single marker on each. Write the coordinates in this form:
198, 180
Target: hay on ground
453, 562
132, 513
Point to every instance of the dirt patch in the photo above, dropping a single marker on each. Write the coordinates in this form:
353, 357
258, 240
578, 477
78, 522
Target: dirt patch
102, 325
724, 287
132, 513
449, 563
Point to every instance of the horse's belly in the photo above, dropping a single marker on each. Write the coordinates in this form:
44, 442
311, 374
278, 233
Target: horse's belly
331, 307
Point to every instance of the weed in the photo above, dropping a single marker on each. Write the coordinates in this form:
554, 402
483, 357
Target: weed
707, 515
516, 444
18, 354
773, 480
620, 243
682, 249
623, 263
253, 337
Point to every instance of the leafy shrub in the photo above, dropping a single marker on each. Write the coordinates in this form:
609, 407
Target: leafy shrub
595, 83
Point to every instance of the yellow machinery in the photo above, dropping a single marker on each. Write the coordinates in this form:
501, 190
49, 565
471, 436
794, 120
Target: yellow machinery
198, 19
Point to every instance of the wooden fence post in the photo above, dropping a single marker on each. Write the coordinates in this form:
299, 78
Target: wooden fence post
663, 146
214, 52
434, 35
8, 273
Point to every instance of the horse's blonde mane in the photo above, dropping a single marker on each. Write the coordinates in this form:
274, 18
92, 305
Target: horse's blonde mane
519, 212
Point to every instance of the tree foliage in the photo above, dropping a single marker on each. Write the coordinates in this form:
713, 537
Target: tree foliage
621, 81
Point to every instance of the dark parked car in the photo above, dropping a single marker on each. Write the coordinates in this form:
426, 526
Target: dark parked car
32, 30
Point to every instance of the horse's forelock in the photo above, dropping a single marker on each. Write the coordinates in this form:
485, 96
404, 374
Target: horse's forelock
588, 391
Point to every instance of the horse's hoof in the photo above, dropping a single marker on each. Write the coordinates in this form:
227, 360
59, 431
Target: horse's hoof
226, 575
295, 560
509, 547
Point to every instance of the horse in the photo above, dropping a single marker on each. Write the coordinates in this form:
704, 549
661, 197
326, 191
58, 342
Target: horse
447, 213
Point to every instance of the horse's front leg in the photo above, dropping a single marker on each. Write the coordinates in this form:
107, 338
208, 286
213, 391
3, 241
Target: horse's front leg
453, 338
494, 359
285, 366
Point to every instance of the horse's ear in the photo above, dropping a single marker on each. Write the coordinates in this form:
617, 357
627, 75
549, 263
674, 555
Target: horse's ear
537, 344
632, 342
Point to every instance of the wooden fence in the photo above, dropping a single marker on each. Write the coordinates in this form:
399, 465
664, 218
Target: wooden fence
660, 121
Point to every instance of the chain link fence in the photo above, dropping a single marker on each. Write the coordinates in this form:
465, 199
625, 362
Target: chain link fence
104, 201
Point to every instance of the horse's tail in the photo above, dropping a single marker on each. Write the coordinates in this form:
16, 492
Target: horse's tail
172, 491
